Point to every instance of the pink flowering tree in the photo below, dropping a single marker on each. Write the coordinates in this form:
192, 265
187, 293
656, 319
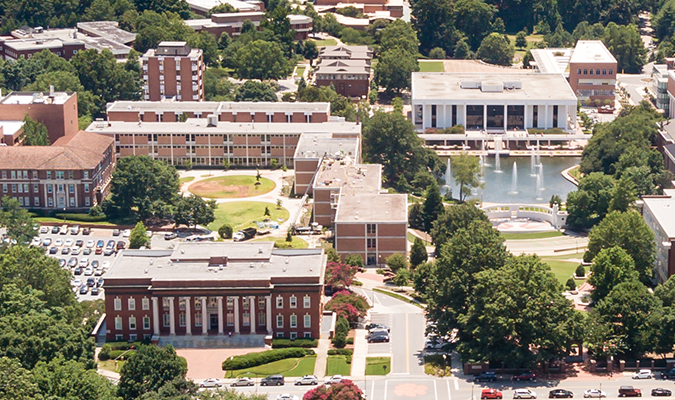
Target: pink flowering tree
345, 390
339, 275
349, 305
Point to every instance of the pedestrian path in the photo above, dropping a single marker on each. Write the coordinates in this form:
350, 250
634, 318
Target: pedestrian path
321, 357
360, 353
213, 341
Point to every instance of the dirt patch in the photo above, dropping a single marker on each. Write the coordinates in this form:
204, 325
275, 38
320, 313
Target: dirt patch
215, 187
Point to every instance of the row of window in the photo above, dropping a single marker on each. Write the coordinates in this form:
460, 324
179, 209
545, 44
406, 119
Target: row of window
246, 320
134, 337
25, 202
23, 174
212, 302
597, 72
24, 188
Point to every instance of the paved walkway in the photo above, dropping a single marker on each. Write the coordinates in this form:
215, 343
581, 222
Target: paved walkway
360, 353
321, 357
214, 341
207, 363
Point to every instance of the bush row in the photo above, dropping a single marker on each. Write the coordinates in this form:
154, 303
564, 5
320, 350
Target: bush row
341, 331
265, 357
340, 352
114, 354
81, 217
288, 343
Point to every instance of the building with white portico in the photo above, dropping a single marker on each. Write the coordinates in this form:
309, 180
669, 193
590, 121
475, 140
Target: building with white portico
492, 102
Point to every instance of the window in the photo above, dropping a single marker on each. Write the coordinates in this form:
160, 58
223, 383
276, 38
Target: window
604, 72
86, 174
370, 229
71, 201
132, 303
181, 319
50, 202
36, 201
280, 302
280, 335
585, 72
49, 174
246, 318
597, 72
71, 189
245, 303
132, 323
4, 174
230, 319
280, 321
579, 72
591, 72
86, 188
14, 188
308, 320
306, 301
25, 188
294, 321
146, 322
261, 318
70, 174
308, 335
261, 302
165, 302
611, 72
21, 201
294, 335
198, 319
59, 174
4, 188
213, 302
118, 304
13, 174
118, 323
167, 319
230, 303
50, 189
198, 303
25, 174
133, 337
181, 303
87, 202
293, 302
119, 337
371, 243
35, 188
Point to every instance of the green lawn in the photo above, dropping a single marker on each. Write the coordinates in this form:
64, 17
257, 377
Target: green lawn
564, 257
281, 243
375, 365
186, 179
288, 367
300, 70
398, 296
531, 235
241, 214
109, 223
231, 187
563, 270
576, 174
529, 38
411, 239
432, 66
325, 42
337, 365
109, 365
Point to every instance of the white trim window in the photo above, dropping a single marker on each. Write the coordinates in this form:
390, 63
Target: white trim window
131, 303
306, 301
118, 323
293, 302
308, 321
132, 323
146, 322
280, 302
294, 321
280, 321
118, 304
145, 303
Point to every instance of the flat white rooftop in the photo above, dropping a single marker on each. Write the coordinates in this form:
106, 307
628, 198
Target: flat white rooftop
9, 128
215, 107
206, 5
552, 60
35, 98
663, 209
448, 86
591, 51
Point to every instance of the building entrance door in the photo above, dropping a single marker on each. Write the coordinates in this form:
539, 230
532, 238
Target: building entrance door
213, 322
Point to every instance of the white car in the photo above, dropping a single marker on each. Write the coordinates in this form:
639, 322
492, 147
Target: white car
76, 283
36, 241
58, 242
90, 244
334, 379
643, 374
75, 251
89, 271
286, 396
307, 380
47, 242
126, 233
211, 382
44, 229
68, 243
84, 262
594, 393
243, 382
524, 394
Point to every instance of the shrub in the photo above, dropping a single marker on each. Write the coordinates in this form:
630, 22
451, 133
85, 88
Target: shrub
348, 359
349, 305
121, 354
340, 352
104, 354
95, 211
339, 340
342, 325
350, 340
265, 357
81, 217
571, 285
581, 271
288, 343
437, 53
225, 231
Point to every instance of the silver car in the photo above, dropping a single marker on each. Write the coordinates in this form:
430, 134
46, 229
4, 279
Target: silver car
211, 382
243, 382
307, 380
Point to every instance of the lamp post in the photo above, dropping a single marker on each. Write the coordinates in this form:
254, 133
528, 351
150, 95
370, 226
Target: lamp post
255, 381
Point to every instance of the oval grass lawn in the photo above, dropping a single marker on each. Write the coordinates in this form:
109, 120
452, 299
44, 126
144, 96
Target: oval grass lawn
231, 187
242, 214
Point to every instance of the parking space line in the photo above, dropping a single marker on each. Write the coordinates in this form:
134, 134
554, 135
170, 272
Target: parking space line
385, 389
407, 345
448, 385
435, 390
372, 391
456, 384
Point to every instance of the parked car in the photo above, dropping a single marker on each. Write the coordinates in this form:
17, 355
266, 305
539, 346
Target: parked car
44, 229
670, 374
485, 377
53, 250
94, 291
560, 394
110, 245
55, 230
98, 272
272, 380
84, 289
661, 392
79, 242
121, 245
525, 376
94, 263
286, 396
86, 251
377, 332
629, 391
75, 251
36, 241
211, 382
491, 394
433, 344
105, 265
46, 242
58, 242
383, 338
63, 230
116, 232
84, 262
126, 233
91, 282
86, 231
78, 271
307, 380
89, 271
65, 250
108, 252
72, 262
99, 282
334, 379
90, 244
170, 235
243, 382
100, 244
76, 283
75, 229
373, 327
594, 393
99, 250
68, 243
62, 262
524, 394
643, 374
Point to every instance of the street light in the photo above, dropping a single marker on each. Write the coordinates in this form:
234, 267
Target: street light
255, 381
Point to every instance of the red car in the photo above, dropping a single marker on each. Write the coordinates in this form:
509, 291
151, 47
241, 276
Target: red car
525, 376
491, 394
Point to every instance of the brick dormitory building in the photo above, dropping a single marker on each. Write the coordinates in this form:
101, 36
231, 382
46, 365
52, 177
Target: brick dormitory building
215, 289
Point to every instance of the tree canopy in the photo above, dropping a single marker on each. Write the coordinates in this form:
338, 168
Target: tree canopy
148, 369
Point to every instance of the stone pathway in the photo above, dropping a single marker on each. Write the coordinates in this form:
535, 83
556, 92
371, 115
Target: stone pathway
321, 357
360, 353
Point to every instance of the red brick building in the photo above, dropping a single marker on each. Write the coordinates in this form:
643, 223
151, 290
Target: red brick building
73, 173
56, 110
592, 71
173, 70
215, 289
231, 23
347, 68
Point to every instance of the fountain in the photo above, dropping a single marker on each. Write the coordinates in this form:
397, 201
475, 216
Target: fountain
448, 175
481, 162
514, 179
498, 149
538, 154
533, 164
541, 177
482, 154
537, 192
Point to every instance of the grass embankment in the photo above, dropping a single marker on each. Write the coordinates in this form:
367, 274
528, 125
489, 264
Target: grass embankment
232, 187
325, 42
281, 243
287, 367
411, 239
431, 66
187, 179
111, 365
531, 235
337, 365
241, 214
378, 365
398, 296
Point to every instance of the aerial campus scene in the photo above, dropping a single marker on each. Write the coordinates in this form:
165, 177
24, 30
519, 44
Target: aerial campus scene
337, 199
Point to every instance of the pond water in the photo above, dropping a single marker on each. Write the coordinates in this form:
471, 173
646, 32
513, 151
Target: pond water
523, 180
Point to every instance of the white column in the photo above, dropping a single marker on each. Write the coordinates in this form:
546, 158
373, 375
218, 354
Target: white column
545, 116
172, 316
252, 310
448, 116
505, 116
268, 309
485, 117
525, 116
236, 314
155, 315
205, 327
188, 317
464, 112
220, 315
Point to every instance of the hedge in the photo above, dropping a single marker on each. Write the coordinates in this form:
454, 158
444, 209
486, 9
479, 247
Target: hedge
350, 340
265, 357
114, 354
81, 217
288, 343
340, 352
339, 340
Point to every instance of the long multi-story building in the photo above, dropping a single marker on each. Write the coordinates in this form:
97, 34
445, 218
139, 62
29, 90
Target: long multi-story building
56, 110
659, 215
231, 23
593, 71
215, 289
173, 70
347, 68
73, 173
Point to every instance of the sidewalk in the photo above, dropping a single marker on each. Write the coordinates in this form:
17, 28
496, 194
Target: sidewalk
360, 353
321, 358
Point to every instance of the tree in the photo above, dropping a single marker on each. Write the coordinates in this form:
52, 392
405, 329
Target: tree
396, 262
34, 133
455, 217
610, 267
628, 231
138, 237
666, 333
207, 43
17, 382
399, 35
437, 53
345, 390
435, 24
521, 39
261, 60
223, 8
433, 206
176, 389
354, 260
466, 173
66, 81
625, 44
140, 181
225, 231
529, 305
332, 256
394, 68
473, 18
402, 277
310, 50
193, 210
148, 370
415, 213
17, 221
339, 275
496, 49
69, 379
462, 50
418, 253
256, 91
590, 202
229, 394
